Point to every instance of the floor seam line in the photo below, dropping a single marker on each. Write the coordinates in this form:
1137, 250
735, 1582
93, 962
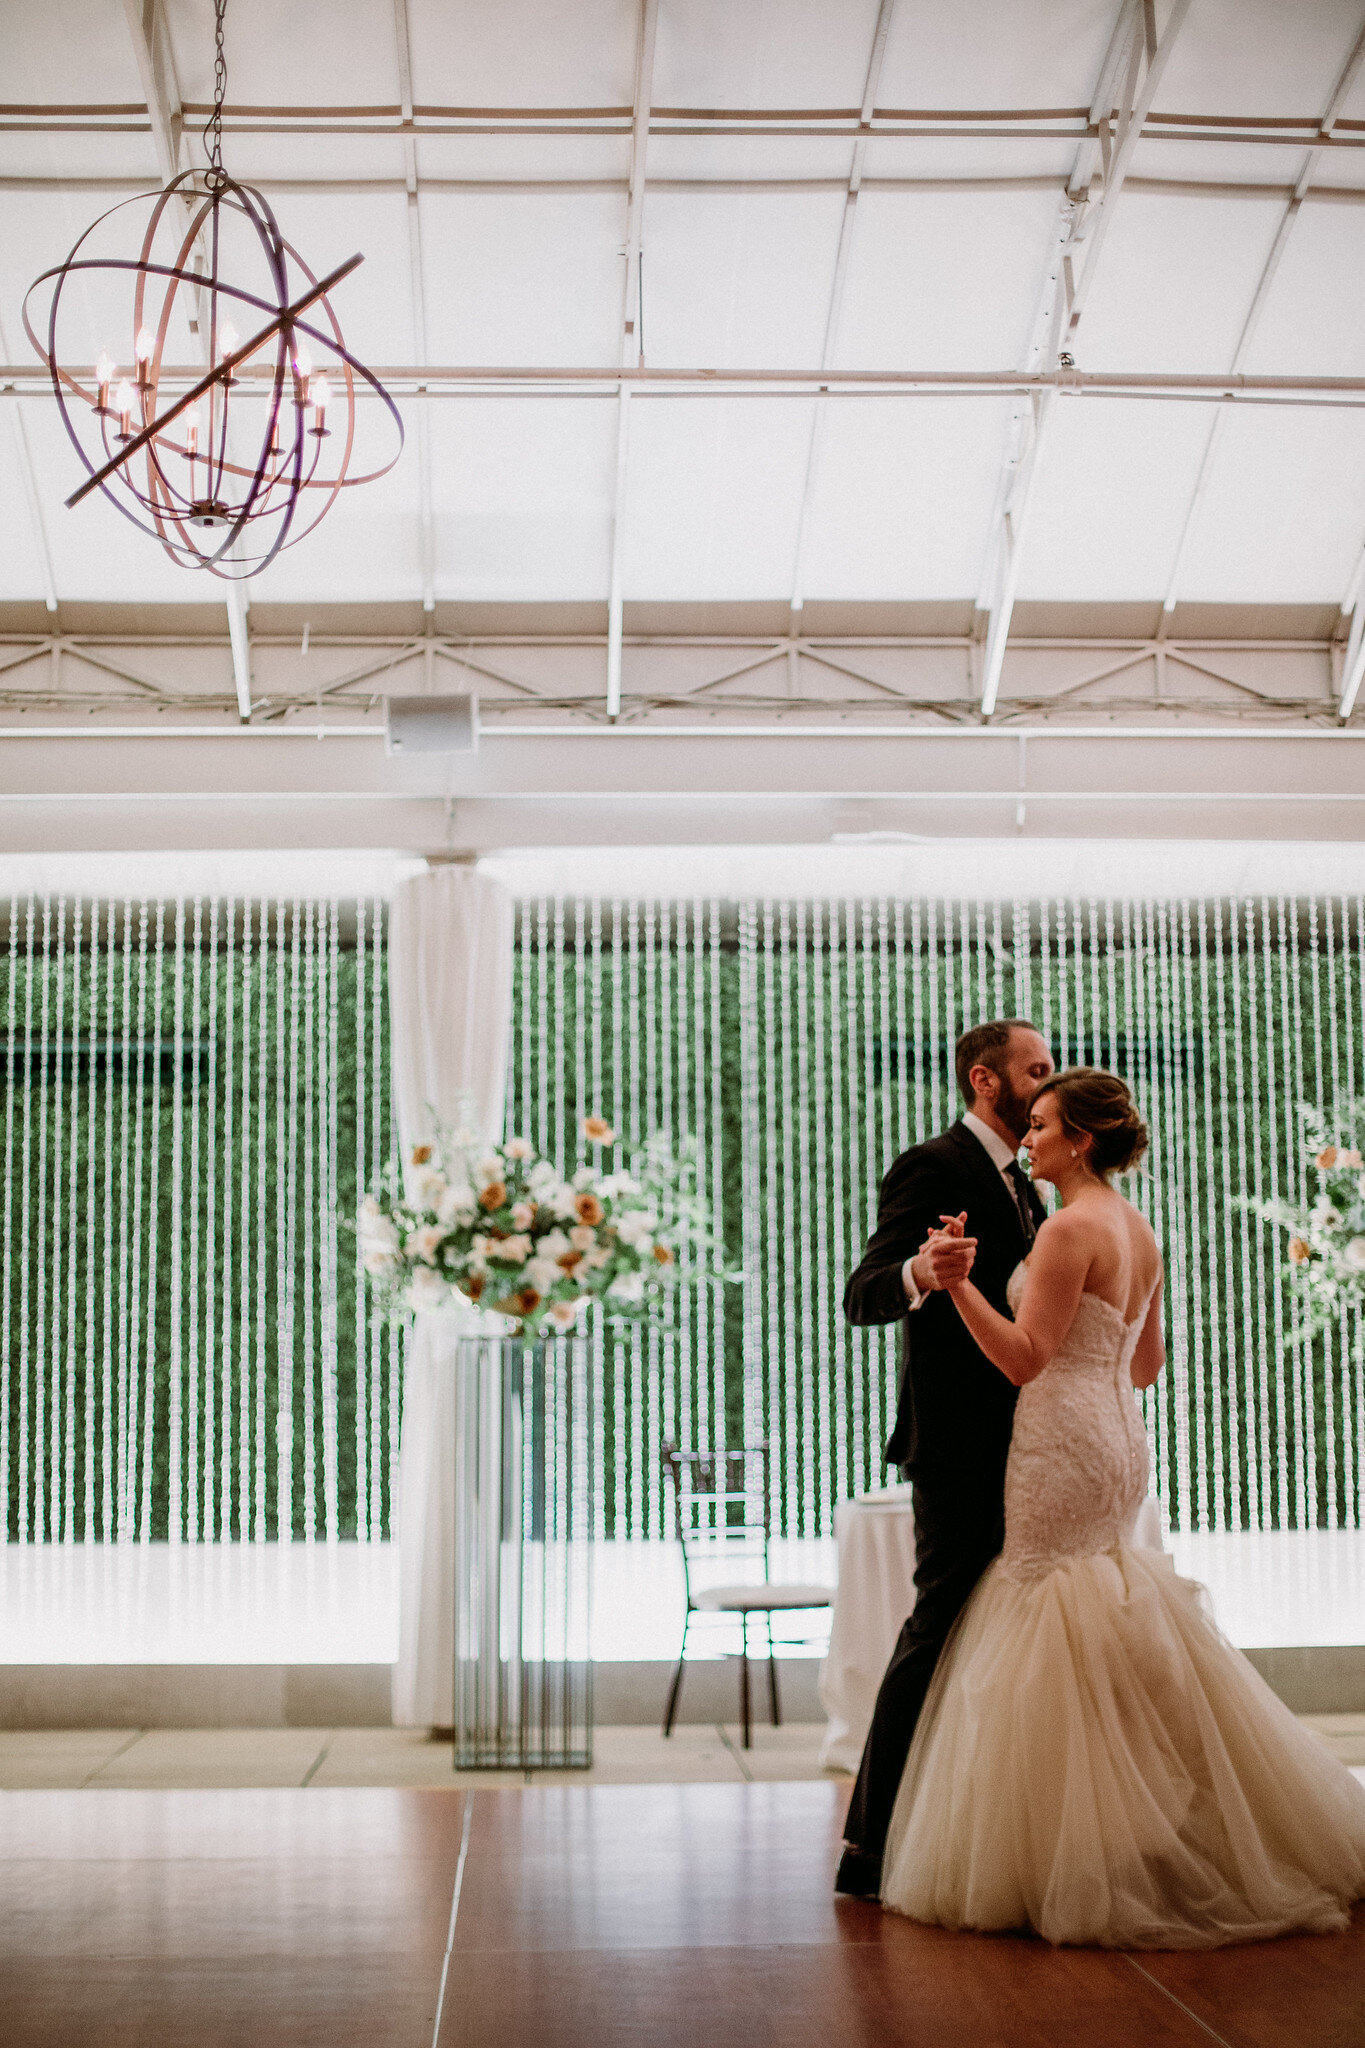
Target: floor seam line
454, 1913
1212, 2032
320, 1759
87, 1783
745, 1773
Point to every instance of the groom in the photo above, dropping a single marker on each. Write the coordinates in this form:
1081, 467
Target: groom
955, 1413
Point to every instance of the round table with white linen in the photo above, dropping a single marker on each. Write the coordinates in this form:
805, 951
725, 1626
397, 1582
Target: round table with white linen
875, 1533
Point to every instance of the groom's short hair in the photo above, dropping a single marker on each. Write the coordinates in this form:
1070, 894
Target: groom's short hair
985, 1045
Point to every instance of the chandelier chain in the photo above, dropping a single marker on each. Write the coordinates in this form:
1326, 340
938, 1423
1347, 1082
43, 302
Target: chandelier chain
213, 127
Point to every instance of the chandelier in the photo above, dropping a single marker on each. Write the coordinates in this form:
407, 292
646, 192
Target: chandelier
242, 453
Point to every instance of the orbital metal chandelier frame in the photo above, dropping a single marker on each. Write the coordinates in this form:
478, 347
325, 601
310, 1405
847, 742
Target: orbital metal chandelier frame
172, 476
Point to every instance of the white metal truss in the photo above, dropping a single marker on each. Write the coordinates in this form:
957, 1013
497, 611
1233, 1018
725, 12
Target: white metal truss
632, 339
165, 110
419, 306
1129, 77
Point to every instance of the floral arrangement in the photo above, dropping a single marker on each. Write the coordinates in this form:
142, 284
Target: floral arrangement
497, 1225
1326, 1249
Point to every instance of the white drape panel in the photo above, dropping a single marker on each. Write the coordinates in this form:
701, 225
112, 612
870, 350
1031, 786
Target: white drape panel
450, 993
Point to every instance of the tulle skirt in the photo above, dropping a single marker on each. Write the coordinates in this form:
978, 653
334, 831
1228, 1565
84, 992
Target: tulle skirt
1096, 1761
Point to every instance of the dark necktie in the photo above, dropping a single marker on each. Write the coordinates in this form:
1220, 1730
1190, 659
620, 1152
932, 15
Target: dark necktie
1020, 1183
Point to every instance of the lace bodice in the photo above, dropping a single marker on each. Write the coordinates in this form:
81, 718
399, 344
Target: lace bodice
1078, 1462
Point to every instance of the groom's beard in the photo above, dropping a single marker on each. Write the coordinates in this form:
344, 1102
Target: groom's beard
1012, 1108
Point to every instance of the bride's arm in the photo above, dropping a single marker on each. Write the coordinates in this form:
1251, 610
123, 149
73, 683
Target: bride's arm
1057, 1267
1150, 1354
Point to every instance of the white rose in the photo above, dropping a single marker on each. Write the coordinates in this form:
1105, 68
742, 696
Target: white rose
544, 1273
1325, 1214
375, 1260
554, 1244
523, 1214
378, 1233
599, 1256
635, 1228
457, 1204
564, 1314
628, 1287
424, 1243
582, 1237
487, 1170
428, 1186
510, 1251
560, 1202
1353, 1254
585, 1177
519, 1148
541, 1177
427, 1289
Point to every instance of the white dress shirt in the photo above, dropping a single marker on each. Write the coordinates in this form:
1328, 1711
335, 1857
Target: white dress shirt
1001, 1155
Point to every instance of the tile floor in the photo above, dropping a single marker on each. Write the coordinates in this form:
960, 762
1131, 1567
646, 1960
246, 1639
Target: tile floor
68, 1759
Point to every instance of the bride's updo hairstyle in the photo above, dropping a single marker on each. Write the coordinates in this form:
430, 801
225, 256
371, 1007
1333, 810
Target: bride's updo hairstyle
1096, 1104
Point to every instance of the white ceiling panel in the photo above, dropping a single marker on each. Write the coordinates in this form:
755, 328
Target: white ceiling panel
1284, 516
522, 53
763, 53
311, 50
522, 491
903, 500
1314, 318
738, 281
1174, 282
1109, 499
944, 280
81, 53
523, 277
21, 568
713, 496
996, 53
514, 159
1258, 57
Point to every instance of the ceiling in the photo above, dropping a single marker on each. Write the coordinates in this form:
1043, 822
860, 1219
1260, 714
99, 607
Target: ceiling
969, 330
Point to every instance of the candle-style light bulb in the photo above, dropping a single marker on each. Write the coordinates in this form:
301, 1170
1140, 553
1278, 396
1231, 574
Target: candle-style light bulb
303, 364
228, 338
192, 432
123, 405
319, 395
104, 377
143, 346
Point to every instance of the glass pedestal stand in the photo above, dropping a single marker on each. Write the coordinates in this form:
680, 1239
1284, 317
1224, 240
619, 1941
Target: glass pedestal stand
524, 1477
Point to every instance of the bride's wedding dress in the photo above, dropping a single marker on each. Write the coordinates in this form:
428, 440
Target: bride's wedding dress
1095, 1760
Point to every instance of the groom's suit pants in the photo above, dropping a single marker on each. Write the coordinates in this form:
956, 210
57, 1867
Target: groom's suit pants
959, 1528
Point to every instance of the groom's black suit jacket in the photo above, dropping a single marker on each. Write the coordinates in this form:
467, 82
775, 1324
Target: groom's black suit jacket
956, 1409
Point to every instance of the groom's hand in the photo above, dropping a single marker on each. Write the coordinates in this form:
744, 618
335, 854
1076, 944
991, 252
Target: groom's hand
945, 1258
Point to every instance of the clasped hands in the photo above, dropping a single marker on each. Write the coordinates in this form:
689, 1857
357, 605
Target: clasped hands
946, 1257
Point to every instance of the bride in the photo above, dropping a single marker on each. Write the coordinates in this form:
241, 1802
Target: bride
1095, 1760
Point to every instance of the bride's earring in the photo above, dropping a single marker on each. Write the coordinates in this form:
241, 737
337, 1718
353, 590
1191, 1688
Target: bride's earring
1073, 1151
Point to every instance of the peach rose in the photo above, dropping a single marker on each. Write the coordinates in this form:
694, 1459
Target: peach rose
588, 1209
1327, 1158
474, 1285
663, 1255
420, 1154
1299, 1251
598, 1131
494, 1195
569, 1260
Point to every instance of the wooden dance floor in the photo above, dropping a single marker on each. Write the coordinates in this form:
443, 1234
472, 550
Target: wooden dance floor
566, 1916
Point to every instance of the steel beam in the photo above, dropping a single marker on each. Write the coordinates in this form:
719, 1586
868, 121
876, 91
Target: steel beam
632, 337
1138, 58
417, 289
